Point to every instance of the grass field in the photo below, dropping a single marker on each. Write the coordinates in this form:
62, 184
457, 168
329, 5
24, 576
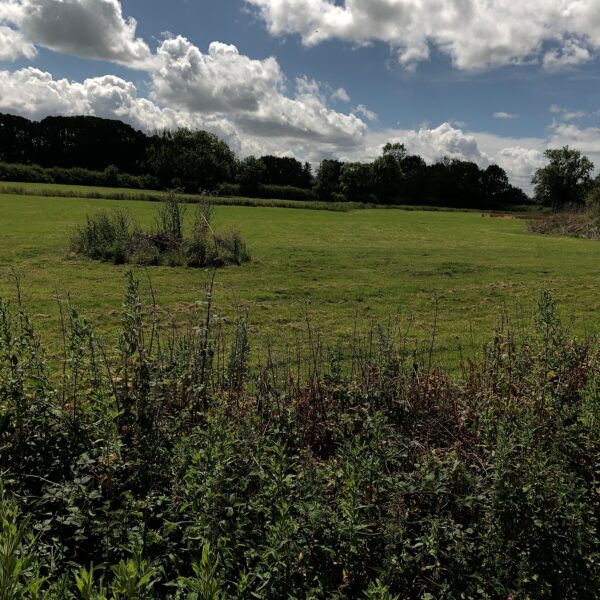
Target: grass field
337, 268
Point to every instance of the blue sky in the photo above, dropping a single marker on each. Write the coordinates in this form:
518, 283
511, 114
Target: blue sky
490, 81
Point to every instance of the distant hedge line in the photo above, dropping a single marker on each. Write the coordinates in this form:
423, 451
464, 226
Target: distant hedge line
75, 176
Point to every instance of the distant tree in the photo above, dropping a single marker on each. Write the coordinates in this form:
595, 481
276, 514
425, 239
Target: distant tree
565, 180
327, 181
90, 143
494, 182
388, 173
464, 184
396, 151
307, 180
284, 170
414, 171
17, 139
250, 174
194, 160
356, 181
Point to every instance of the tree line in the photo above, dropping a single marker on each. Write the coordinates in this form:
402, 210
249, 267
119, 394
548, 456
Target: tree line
110, 152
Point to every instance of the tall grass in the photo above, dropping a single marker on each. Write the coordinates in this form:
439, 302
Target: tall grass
116, 237
172, 465
109, 194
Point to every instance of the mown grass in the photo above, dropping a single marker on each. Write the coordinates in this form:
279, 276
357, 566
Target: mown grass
456, 271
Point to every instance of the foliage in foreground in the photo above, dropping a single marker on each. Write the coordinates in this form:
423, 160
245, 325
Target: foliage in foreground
175, 468
117, 238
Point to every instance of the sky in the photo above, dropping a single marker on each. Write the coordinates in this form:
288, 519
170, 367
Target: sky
492, 81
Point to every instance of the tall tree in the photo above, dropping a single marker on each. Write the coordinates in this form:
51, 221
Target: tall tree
250, 175
565, 180
327, 181
388, 173
193, 160
356, 181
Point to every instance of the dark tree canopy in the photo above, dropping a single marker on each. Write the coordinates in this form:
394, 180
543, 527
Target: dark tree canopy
565, 180
193, 160
356, 181
327, 181
86, 142
250, 174
284, 170
387, 173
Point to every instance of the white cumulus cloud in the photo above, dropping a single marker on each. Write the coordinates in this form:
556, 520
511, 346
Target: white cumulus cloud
13, 45
475, 34
252, 93
341, 95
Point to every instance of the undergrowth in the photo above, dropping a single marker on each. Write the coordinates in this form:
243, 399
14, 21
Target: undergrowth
170, 466
583, 224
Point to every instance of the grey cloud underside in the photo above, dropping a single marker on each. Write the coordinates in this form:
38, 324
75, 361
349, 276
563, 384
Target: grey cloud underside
87, 28
268, 128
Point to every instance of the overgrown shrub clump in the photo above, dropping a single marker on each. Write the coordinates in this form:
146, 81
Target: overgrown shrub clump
177, 467
116, 237
584, 224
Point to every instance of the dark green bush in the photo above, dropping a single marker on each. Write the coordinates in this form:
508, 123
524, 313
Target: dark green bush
195, 471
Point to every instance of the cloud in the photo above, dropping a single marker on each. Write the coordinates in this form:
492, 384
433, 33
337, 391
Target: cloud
87, 28
572, 54
587, 140
432, 144
221, 80
13, 45
36, 94
297, 125
566, 114
341, 95
251, 93
361, 109
505, 115
520, 164
475, 34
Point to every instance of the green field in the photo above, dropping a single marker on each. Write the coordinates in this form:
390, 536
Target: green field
336, 269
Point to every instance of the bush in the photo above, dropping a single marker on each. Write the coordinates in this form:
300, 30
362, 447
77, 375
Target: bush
117, 238
107, 236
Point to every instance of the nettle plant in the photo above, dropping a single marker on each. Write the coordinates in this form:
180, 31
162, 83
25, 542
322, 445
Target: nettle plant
116, 237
